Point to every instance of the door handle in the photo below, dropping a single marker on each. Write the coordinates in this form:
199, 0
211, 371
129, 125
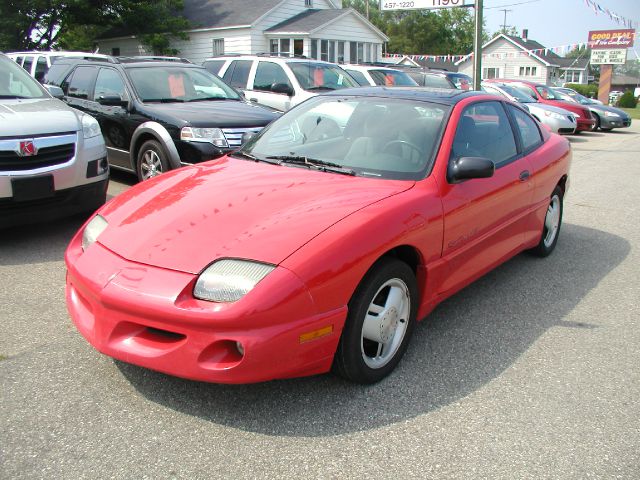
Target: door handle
524, 175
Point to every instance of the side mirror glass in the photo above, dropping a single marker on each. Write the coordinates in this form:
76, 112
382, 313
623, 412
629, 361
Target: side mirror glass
55, 91
466, 168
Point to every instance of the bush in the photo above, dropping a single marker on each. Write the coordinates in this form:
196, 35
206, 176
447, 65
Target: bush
627, 100
586, 90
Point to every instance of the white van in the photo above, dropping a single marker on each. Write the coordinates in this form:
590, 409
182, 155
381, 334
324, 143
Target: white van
279, 82
38, 63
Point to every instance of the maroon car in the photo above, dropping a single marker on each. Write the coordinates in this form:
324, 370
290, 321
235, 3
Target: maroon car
544, 94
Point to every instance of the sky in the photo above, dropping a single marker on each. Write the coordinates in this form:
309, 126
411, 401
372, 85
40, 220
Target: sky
555, 23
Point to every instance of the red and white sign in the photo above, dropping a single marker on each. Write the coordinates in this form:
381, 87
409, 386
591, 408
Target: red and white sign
608, 39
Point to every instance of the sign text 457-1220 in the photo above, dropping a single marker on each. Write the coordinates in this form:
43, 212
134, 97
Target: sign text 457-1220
421, 4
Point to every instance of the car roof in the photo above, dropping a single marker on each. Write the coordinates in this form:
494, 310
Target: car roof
423, 94
267, 57
128, 62
369, 67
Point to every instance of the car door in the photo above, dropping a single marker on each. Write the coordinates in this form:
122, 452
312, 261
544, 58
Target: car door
267, 75
115, 122
484, 219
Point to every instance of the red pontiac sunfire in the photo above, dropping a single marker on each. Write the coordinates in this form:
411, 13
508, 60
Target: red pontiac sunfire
322, 241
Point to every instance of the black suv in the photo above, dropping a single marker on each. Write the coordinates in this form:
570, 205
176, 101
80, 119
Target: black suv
157, 115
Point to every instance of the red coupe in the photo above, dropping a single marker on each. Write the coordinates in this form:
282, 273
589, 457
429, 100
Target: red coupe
321, 242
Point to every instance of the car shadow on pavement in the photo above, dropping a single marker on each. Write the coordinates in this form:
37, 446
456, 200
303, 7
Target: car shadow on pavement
43, 242
467, 342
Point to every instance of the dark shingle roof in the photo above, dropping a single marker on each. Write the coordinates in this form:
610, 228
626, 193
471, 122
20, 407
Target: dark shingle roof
222, 13
307, 21
577, 63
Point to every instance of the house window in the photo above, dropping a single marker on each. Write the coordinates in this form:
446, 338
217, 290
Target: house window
273, 46
324, 50
285, 47
282, 46
218, 46
488, 73
314, 49
298, 46
308, 3
528, 71
572, 76
332, 52
340, 52
360, 52
353, 52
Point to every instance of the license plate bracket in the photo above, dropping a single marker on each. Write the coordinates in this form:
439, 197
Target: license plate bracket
32, 188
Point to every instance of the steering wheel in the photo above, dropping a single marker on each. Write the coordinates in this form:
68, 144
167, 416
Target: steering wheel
413, 146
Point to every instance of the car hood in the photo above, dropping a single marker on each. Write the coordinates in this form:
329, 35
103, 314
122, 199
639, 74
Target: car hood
185, 219
214, 113
606, 108
548, 108
571, 106
38, 116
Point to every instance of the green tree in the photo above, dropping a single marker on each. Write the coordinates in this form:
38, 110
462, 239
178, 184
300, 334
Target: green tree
48, 24
446, 31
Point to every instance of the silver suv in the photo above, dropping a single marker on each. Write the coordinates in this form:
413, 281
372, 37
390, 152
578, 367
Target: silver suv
52, 157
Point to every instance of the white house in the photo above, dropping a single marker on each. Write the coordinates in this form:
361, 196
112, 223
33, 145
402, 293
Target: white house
318, 29
520, 58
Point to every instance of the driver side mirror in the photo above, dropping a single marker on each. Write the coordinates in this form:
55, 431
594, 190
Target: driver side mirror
113, 100
56, 92
282, 88
466, 168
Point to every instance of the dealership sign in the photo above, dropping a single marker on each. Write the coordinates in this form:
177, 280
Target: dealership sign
608, 39
423, 4
616, 56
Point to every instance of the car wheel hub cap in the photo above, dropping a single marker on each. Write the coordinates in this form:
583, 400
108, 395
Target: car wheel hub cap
386, 323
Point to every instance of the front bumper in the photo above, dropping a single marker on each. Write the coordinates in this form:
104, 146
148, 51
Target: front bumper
63, 203
614, 122
146, 316
562, 126
585, 124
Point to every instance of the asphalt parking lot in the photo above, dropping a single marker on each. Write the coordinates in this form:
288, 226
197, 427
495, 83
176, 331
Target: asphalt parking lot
531, 372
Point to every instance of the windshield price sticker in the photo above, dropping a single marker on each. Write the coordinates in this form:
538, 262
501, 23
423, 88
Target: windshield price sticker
422, 4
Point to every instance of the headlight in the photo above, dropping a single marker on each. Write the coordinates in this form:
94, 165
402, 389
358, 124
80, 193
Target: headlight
229, 280
211, 135
93, 230
611, 114
90, 126
555, 115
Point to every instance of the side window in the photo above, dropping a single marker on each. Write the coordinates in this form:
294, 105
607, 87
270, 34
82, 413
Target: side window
484, 131
81, 82
528, 90
19, 60
214, 66
358, 77
267, 74
41, 69
238, 73
529, 131
28, 61
109, 83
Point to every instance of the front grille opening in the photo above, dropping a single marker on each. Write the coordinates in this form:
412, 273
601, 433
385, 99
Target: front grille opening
163, 335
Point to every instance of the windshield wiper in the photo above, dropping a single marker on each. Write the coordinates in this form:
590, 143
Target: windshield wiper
321, 165
249, 156
209, 98
163, 100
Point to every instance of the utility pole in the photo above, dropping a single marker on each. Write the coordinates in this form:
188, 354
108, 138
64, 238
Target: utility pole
504, 24
367, 5
477, 48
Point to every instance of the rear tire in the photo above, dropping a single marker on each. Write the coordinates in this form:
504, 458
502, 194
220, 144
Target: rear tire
381, 319
152, 160
551, 226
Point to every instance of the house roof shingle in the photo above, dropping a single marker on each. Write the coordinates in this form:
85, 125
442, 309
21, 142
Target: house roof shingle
307, 21
222, 13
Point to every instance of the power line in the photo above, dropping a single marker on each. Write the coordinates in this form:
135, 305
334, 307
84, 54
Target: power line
511, 4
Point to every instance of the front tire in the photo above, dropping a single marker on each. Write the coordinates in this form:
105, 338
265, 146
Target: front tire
152, 160
551, 226
596, 126
381, 319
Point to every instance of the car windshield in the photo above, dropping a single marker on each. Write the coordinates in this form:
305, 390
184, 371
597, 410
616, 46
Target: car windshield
321, 76
549, 93
178, 84
366, 136
392, 78
519, 95
581, 99
15, 82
